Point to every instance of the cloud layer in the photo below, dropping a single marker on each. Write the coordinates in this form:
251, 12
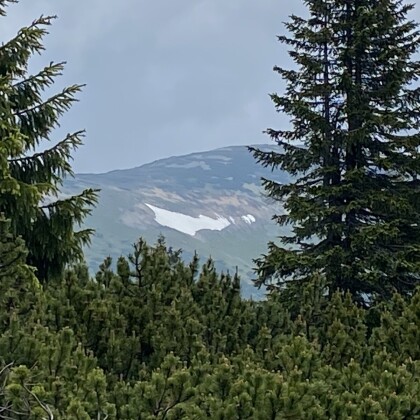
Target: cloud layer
163, 77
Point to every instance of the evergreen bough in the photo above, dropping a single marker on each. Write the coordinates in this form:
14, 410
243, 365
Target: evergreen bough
353, 150
30, 175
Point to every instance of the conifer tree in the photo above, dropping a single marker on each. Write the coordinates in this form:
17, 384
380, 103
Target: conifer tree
30, 175
145, 342
161, 339
353, 150
19, 288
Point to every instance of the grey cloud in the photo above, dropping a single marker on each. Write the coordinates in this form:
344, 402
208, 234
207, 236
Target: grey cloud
164, 77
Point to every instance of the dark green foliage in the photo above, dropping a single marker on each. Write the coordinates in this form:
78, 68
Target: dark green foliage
353, 150
157, 338
162, 339
154, 305
30, 177
20, 287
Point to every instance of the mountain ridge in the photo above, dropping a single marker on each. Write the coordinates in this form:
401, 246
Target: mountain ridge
210, 202
187, 155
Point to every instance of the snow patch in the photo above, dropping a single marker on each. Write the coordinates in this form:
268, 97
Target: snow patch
249, 218
185, 223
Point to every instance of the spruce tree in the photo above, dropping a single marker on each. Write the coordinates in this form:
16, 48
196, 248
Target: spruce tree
353, 151
30, 175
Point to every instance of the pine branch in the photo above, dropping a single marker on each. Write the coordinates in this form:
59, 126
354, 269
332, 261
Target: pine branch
4, 4
60, 102
44, 407
16, 52
43, 79
49, 165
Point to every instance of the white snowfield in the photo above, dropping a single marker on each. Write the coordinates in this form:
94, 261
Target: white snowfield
191, 225
249, 218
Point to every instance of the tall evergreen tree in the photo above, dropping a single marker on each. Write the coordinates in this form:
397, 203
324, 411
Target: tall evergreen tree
353, 151
30, 177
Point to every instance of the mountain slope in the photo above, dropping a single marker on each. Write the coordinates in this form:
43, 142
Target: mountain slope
210, 202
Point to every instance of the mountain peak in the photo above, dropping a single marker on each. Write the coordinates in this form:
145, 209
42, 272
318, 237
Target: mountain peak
210, 202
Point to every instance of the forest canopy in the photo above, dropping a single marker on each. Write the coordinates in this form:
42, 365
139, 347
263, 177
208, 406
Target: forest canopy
154, 336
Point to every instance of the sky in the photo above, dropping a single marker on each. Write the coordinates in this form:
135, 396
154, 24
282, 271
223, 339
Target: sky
163, 77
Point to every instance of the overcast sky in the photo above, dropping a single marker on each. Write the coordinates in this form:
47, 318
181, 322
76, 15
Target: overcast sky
163, 77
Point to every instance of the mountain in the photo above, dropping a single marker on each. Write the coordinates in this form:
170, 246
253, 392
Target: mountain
210, 202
